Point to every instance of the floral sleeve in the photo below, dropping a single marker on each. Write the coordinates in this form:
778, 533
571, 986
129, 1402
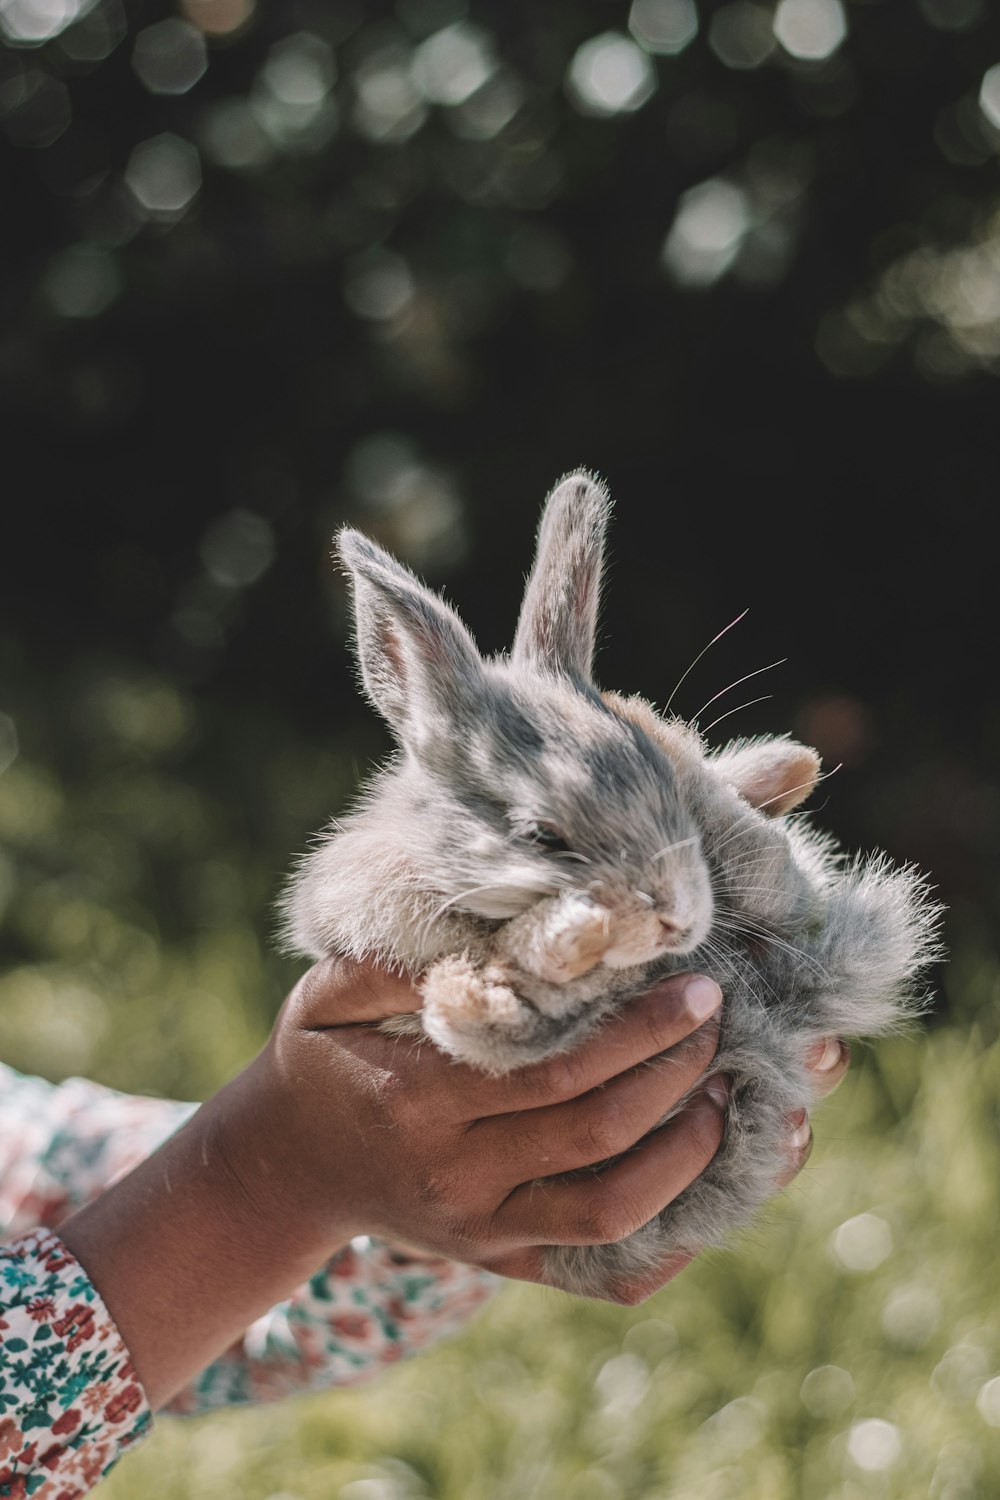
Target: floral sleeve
369, 1307
70, 1402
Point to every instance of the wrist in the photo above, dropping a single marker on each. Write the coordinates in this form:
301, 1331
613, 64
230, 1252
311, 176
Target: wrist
187, 1250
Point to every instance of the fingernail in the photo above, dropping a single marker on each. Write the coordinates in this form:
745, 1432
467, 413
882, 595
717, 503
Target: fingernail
800, 1136
702, 997
827, 1057
717, 1088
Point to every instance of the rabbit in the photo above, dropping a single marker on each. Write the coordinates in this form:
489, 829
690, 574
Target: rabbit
541, 851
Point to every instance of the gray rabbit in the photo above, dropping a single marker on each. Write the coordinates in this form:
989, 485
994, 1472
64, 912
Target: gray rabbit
541, 851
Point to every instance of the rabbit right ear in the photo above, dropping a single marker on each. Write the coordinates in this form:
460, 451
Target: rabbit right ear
558, 623
419, 665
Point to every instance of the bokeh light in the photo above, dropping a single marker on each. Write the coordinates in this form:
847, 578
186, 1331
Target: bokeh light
705, 238
81, 282
741, 34
29, 23
218, 17
989, 95
453, 63
810, 29
874, 1444
665, 26
170, 57
164, 175
610, 75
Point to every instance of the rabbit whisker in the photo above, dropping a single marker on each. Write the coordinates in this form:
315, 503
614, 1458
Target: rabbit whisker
684, 675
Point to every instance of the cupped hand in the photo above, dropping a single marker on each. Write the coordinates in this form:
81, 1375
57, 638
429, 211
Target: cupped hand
339, 1129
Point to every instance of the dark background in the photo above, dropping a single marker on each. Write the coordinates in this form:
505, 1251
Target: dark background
415, 320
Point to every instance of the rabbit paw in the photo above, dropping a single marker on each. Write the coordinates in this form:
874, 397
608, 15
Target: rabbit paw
559, 939
474, 1014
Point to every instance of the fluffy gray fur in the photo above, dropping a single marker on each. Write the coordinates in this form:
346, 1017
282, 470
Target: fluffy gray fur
542, 852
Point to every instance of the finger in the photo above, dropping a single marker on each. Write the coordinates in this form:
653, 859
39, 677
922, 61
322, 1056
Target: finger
348, 991
827, 1061
602, 1207
651, 1023
798, 1147
534, 1265
603, 1123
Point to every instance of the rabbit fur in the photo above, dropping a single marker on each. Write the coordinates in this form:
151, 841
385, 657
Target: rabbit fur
541, 851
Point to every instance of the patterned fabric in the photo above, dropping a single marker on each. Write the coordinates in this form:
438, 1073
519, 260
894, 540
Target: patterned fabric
62, 1146
70, 1403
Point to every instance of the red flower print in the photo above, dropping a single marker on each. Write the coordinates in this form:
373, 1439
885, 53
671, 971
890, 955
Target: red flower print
130, 1399
350, 1325
345, 1265
53, 1457
94, 1397
67, 1421
41, 1309
11, 1437
78, 1322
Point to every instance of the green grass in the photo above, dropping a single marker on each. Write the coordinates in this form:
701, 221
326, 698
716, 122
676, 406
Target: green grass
843, 1349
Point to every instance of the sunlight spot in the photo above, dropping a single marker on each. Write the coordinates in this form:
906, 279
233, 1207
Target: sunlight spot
741, 35
988, 1402
827, 1391
300, 71
610, 75
874, 1444
810, 29
666, 26
989, 95
170, 57
237, 549
378, 285
218, 17
862, 1243
388, 105
81, 282
621, 1384
31, 22
707, 232
911, 1315
453, 63
737, 1426
164, 175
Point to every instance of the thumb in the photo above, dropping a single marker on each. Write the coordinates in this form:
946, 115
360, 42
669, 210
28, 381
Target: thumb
351, 992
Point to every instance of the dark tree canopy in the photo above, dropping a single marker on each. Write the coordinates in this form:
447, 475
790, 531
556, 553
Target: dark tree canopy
270, 268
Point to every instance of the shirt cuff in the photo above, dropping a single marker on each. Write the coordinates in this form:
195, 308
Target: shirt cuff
70, 1399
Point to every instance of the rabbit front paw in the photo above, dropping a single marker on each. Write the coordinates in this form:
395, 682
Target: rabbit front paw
473, 1012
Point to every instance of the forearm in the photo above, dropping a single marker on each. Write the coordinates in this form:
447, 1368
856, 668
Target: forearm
61, 1146
183, 1260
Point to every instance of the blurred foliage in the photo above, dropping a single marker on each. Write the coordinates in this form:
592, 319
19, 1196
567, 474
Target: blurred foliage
844, 1351
267, 268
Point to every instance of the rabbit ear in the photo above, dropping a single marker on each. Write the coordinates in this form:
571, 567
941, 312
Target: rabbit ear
419, 664
558, 621
772, 775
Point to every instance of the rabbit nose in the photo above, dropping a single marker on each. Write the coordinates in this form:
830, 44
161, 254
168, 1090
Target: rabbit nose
673, 931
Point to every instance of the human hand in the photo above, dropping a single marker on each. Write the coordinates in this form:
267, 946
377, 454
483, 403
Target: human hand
337, 1129
385, 1137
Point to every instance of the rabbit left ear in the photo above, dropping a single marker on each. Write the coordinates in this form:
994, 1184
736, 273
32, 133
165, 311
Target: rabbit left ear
558, 623
419, 665
772, 775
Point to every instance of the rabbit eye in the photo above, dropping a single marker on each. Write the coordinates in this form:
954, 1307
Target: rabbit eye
546, 836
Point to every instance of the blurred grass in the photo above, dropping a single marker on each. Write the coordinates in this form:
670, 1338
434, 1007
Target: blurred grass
848, 1347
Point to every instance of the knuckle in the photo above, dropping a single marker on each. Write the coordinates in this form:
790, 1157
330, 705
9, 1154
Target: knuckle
608, 1218
706, 1126
601, 1133
559, 1078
